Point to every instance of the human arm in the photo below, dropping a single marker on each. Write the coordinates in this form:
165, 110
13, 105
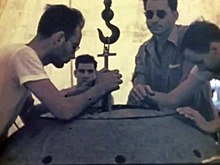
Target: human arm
197, 77
200, 74
184, 91
30, 74
69, 107
73, 91
140, 77
139, 93
207, 126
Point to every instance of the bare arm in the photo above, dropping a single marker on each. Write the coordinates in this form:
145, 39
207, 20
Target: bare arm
214, 125
72, 91
177, 96
69, 107
207, 126
141, 94
185, 90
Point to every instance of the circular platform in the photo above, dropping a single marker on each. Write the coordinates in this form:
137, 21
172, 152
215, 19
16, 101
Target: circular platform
117, 137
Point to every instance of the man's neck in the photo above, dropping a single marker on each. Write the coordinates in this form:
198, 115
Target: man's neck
161, 39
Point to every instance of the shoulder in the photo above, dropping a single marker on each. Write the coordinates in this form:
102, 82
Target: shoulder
11, 50
25, 51
24, 54
146, 43
26, 65
144, 46
201, 75
182, 28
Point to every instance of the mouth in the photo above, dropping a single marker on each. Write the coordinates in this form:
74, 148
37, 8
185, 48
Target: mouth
155, 27
86, 81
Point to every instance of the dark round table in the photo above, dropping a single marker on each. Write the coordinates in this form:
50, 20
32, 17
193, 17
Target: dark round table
122, 136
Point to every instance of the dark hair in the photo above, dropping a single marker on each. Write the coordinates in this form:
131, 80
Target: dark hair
85, 59
199, 35
171, 3
59, 18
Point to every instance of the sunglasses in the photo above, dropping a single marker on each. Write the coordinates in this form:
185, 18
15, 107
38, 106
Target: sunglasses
150, 14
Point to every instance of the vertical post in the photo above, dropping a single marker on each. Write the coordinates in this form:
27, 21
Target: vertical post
106, 105
107, 15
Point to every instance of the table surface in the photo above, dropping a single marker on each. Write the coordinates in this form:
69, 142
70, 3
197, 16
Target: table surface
116, 137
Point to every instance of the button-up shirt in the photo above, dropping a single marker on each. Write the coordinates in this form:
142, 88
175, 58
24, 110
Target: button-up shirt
162, 72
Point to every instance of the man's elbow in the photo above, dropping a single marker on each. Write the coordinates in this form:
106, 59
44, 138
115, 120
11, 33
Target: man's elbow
64, 116
67, 112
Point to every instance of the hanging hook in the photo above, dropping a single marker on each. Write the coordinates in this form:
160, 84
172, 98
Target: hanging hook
107, 15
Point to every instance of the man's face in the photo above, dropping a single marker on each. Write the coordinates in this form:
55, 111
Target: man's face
64, 53
194, 57
85, 74
212, 60
160, 18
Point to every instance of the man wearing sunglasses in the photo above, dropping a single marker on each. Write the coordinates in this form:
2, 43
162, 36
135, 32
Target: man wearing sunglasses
160, 63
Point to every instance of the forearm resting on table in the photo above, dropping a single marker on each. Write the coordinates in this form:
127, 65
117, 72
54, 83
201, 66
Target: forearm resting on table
64, 107
213, 126
77, 103
177, 96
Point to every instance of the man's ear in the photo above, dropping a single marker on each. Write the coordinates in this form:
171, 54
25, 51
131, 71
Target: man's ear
58, 38
176, 15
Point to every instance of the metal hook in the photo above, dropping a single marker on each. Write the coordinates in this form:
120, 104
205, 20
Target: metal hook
107, 15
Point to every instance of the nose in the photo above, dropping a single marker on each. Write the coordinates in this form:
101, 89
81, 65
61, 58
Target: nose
154, 19
86, 74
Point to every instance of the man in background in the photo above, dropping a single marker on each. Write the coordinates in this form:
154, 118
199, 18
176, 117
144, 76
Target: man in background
86, 75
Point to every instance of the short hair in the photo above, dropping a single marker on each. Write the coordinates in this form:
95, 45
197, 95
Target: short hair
60, 18
199, 36
171, 3
85, 59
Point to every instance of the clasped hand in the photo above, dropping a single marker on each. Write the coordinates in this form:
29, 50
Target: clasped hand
141, 94
109, 80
